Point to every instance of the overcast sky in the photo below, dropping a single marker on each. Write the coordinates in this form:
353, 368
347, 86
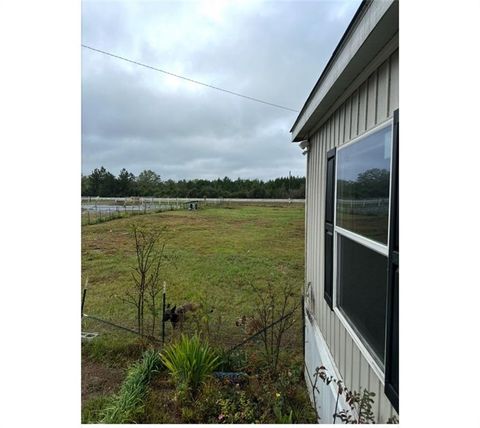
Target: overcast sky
136, 118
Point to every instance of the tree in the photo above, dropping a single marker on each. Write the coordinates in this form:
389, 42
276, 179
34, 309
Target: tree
95, 179
108, 185
373, 183
125, 183
86, 185
102, 183
148, 183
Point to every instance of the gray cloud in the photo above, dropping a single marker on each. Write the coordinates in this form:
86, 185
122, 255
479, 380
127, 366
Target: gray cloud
139, 119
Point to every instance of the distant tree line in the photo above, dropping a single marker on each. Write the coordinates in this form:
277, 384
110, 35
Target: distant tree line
370, 184
148, 183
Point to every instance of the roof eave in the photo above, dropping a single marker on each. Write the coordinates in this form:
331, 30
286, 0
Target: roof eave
372, 25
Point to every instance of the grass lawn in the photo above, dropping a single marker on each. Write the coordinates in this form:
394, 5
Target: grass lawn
219, 253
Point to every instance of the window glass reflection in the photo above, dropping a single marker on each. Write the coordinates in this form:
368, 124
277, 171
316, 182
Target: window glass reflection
363, 185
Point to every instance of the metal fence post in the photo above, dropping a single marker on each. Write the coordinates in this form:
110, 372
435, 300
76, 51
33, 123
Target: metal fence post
163, 312
83, 299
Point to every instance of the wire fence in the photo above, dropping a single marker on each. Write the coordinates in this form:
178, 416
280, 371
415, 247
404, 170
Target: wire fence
98, 209
94, 213
134, 200
221, 329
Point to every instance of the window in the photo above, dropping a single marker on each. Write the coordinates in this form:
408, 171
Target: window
363, 185
361, 260
361, 236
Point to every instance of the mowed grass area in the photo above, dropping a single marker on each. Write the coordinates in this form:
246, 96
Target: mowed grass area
219, 253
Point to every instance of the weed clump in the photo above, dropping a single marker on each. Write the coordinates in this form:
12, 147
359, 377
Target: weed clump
263, 400
92, 409
127, 405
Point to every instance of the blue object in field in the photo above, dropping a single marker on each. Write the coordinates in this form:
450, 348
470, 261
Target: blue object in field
234, 377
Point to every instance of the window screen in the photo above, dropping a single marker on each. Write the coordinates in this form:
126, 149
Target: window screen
362, 292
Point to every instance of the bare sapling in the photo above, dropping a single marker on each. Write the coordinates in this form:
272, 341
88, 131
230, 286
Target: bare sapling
151, 257
275, 304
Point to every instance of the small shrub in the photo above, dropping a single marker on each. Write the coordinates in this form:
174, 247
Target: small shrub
238, 408
190, 362
275, 308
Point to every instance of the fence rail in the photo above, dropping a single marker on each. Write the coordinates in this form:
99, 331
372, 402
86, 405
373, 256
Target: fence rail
141, 200
363, 206
99, 213
101, 209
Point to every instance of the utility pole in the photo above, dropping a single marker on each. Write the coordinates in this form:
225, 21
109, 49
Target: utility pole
289, 181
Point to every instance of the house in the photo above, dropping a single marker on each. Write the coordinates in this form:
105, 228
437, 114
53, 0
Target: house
348, 128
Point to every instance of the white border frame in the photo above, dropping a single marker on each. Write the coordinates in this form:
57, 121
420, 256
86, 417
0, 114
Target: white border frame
369, 243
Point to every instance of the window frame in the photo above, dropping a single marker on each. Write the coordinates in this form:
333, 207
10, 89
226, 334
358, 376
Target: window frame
378, 247
392, 357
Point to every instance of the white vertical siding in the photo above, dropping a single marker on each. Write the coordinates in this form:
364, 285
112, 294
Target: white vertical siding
383, 81
393, 97
348, 119
362, 108
372, 100
354, 131
343, 346
370, 104
347, 374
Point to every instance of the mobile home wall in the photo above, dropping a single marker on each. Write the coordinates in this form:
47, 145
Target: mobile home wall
370, 101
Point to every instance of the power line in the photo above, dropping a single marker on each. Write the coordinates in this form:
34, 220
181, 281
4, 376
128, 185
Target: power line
188, 79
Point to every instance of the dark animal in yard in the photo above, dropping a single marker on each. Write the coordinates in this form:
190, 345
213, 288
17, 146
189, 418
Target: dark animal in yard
250, 324
177, 315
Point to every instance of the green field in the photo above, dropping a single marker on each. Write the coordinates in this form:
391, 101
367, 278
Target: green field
219, 253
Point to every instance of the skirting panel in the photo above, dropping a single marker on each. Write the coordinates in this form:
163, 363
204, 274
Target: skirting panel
316, 355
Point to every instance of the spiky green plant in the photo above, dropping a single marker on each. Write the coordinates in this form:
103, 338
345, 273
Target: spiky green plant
127, 405
190, 362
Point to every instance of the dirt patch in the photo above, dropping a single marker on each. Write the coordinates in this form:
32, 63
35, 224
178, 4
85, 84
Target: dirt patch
99, 379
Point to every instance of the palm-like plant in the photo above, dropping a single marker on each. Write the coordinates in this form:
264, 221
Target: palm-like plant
190, 362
